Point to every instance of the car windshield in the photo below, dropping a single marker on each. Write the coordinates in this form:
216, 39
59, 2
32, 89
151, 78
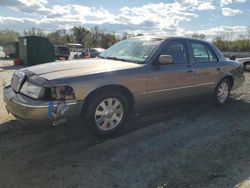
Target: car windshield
131, 50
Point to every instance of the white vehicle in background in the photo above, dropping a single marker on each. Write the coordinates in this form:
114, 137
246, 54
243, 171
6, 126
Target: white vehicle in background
246, 62
1, 52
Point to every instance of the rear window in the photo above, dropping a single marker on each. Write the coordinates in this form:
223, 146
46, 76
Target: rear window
202, 53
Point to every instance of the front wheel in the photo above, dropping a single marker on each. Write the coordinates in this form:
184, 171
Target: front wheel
222, 91
106, 113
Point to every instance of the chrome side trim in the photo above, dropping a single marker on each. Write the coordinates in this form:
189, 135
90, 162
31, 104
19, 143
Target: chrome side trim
42, 106
177, 88
204, 84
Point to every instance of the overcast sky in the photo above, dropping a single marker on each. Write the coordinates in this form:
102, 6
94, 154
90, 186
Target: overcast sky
169, 17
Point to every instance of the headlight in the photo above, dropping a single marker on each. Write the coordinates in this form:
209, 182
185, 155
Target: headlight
20, 73
17, 80
32, 90
62, 93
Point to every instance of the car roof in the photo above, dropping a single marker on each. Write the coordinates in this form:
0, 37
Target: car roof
161, 37
98, 49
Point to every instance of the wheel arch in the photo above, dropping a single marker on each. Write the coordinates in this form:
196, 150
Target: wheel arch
229, 77
114, 87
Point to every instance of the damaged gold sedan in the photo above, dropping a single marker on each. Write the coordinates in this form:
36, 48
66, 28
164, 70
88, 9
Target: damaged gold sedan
133, 73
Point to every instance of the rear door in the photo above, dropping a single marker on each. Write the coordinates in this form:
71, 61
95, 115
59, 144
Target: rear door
171, 81
207, 66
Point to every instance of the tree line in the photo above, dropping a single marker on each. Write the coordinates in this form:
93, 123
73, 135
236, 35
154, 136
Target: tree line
96, 37
226, 44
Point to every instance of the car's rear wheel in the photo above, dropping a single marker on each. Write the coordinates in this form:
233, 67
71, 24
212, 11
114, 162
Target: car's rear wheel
106, 113
222, 91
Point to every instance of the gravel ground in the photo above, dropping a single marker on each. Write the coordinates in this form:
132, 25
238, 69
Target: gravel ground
189, 145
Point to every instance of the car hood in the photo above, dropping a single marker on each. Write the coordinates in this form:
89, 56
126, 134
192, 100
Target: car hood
63, 69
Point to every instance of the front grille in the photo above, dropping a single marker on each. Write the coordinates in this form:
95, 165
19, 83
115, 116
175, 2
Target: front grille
16, 82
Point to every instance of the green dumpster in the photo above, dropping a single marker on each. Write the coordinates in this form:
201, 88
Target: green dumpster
34, 50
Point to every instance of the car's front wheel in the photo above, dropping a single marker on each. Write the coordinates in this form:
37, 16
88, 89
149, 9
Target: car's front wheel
106, 113
222, 91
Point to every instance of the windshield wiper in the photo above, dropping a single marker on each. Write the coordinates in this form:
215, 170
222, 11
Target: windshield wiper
117, 59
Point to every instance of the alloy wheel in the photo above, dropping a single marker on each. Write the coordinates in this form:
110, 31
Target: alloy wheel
223, 92
109, 114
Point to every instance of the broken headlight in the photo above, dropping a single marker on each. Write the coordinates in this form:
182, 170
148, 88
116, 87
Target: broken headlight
62, 93
32, 90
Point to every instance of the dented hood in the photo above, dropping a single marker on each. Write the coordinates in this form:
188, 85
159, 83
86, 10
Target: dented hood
63, 69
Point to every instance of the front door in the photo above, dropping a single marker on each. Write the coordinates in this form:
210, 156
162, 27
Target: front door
171, 81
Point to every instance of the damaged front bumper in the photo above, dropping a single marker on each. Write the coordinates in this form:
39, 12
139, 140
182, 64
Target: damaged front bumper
31, 110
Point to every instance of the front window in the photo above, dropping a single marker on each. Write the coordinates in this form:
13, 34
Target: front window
131, 50
178, 50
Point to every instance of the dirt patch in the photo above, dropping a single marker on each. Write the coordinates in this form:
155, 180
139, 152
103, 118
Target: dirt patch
190, 145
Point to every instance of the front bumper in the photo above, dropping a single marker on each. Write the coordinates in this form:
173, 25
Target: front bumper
238, 81
30, 110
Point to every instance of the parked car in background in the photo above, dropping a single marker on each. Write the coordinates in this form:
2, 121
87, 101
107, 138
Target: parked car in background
88, 53
74, 47
131, 74
62, 52
246, 63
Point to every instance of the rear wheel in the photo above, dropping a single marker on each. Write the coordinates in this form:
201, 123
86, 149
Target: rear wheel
106, 113
222, 91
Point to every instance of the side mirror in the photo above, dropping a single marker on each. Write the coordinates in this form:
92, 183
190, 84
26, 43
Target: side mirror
165, 59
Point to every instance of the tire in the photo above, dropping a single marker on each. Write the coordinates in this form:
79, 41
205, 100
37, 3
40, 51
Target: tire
106, 113
222, 92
